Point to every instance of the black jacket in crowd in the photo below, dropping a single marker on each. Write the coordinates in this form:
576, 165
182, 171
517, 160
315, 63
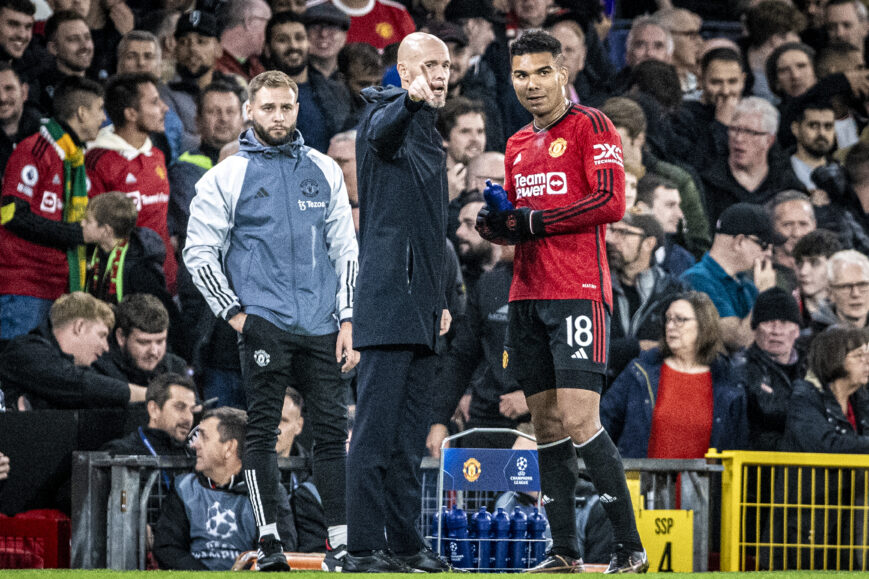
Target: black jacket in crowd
401, 167
768, 386
34, 366
117, 364
816, 423
475, 356
133, 444
28, 125
695, 121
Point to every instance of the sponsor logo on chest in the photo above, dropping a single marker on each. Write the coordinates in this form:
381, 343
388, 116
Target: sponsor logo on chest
537, 184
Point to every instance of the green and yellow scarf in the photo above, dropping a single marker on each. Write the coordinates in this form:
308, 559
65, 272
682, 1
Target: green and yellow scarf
75, 195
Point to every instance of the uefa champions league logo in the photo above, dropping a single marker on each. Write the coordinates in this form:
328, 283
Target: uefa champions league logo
220, 523
521, 465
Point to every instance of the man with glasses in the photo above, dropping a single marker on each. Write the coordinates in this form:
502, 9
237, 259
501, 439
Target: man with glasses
743, 237
752, 171
684, 26
243, 37
641, 287
848, 274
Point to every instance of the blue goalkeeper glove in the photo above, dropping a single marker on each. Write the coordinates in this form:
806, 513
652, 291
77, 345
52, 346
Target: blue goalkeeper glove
496, 198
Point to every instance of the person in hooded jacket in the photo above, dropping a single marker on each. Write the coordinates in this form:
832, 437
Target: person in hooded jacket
272, 248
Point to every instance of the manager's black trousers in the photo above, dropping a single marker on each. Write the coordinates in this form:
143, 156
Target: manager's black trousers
383, 468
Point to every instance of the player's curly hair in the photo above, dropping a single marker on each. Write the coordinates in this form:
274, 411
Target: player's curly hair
536, 41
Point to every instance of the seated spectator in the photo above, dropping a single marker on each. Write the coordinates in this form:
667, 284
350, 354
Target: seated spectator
170, 401
219, 122
753, 171
742, 240
305, 500
829, 410
630, 121
848, 277
462, 124
641, 288
19, 118
123, 158
138, 351
684, 26
327, 28
790, 70
208, 520
325, 103
810, 256
69, 42
704, 122
476, 255
342, 150
127, 259
359, 66
647, 39
661, 198
681, 399
793, 216
770, 367
485, 166
814, 129
43, 245
51, 366
768, 24
846, 21
243, 37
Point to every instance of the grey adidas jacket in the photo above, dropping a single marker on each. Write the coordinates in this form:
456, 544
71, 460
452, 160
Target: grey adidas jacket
270, 230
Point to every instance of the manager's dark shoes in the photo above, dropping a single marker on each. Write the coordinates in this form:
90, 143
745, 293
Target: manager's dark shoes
270, 555
554, 563
627, 561
377, 562
425, 560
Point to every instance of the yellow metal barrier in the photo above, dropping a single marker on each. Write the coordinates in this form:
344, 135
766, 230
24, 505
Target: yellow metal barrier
794, 511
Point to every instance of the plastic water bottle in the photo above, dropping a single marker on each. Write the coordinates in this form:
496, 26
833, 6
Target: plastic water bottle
501, 523
536, 527
460, 550
482, 525
518, 545
438, 523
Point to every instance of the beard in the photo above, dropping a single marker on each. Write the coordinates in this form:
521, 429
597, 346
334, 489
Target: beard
818, 147
615, 259
264, 136
186, 73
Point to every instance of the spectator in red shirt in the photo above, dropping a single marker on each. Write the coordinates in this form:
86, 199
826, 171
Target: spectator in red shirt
376, 22
123, 159
243, 37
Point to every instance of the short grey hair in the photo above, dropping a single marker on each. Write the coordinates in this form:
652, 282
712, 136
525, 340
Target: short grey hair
846, 257
644, 22
859, 8
139, 36
787, 196
752, 105
344, 136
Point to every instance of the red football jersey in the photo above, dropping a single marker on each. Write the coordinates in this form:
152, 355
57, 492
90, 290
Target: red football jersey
572, 172
144, 179
381, 23
34, 173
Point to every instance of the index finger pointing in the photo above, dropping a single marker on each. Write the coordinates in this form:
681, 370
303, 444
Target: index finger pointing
425, 72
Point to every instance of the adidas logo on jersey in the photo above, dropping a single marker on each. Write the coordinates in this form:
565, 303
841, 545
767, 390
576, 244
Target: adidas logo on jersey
130, 179
580, 355
262, 193
517, 159
606, 499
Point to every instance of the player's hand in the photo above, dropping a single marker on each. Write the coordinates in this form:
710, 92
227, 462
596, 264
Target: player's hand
764, 274
237, 321
436, 435
344, 348
496, 197
505, 227
4, 466
446, 321
513, 404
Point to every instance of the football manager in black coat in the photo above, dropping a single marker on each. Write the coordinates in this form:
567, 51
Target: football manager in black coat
400, 308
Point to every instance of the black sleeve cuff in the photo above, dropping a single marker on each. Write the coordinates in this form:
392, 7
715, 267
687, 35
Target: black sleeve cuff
231, 312
536, 222
411, 104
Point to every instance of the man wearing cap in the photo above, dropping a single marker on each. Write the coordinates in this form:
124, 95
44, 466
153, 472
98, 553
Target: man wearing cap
743, 236
326, 102
770, 366
327, 28
196, 52
375, 22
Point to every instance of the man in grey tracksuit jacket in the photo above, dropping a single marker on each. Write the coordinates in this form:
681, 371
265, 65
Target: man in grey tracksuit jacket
271, 236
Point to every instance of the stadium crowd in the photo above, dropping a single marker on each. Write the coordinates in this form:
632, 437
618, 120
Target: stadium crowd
739, 272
